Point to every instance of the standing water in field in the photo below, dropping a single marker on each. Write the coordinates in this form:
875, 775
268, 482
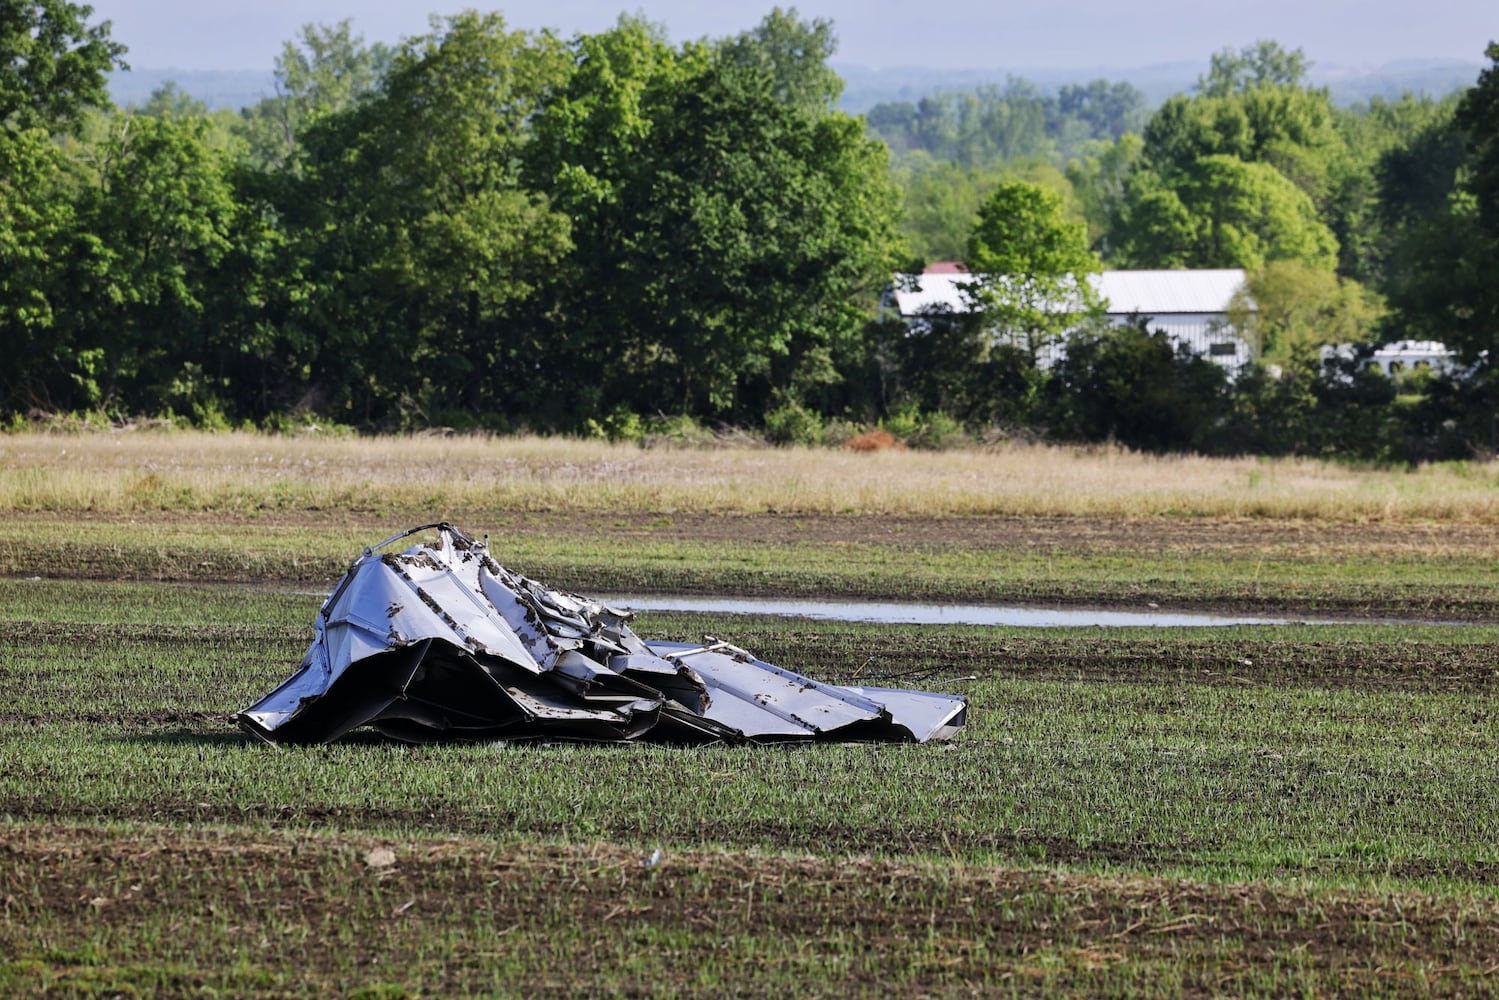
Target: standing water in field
895, 613
440, 642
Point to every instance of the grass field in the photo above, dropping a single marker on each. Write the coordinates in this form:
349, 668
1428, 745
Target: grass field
249, 474
1266, 810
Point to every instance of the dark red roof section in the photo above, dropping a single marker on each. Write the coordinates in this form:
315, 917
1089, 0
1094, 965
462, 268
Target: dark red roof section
946, 267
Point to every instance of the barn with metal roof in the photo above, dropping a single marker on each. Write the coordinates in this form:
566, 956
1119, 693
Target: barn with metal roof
1189, 306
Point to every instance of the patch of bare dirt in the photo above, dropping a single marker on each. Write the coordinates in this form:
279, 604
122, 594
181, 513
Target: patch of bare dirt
1050, 534
935, 926
1059, 534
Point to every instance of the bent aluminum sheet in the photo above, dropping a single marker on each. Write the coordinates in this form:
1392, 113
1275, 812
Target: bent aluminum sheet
440, 642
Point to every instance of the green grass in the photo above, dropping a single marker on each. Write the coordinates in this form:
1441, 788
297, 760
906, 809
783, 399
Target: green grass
1207, 753
1273, 810
1313, 789
1375, 779
600, 557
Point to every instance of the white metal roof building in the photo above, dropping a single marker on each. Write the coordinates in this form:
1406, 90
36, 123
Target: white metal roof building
1189, 306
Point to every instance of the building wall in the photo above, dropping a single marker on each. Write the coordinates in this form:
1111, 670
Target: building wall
1207, 335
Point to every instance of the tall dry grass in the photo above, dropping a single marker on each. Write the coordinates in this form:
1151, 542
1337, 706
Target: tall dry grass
126, 472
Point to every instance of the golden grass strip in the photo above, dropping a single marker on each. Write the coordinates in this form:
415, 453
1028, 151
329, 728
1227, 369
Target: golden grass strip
126, 472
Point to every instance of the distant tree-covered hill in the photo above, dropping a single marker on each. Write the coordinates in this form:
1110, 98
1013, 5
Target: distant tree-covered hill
217, 89
865, 87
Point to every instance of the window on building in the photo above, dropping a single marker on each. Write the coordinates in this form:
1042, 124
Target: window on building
1223, 349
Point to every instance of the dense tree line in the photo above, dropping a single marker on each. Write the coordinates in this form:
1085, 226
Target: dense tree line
482, 226
493, 228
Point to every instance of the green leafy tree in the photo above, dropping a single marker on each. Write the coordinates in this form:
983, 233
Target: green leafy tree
322, 72
793, 53
53, 67
1443, 279
420, 244
1250, 214
980, 129
1416, 174
1478, 116
1410, 138
1030, 265
1248, 170
1264, 64
1289, 310
53, 63
1286, 127
1225, 213
1436, 202
221, 129
1185, 129
733, 233
994, 125
1132, 385
593, 151
1109, 110
159, 216
171, 101
953, 366
1155, 229
1345, 409
1099, 179
38, 231
773, 222
941, 200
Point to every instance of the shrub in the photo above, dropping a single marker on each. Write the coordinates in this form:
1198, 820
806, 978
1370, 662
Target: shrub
791, 423
1134, 386
904, 421
619, 424
930, 431
678, 431
938, 432
838, 432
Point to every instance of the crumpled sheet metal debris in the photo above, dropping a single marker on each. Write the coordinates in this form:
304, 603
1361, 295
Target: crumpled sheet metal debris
440, 642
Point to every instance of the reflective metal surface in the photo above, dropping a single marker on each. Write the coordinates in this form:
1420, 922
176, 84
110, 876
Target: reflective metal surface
440, 642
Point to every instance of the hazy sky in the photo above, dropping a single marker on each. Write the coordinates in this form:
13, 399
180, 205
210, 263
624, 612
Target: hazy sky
230, 34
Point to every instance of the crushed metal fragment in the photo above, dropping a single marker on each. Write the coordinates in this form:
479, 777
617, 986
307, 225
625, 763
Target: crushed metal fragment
487, 654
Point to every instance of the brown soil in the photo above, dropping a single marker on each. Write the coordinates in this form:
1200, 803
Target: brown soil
320, 906
923, 654
1032, 533
827, 838
1055, 534
1156, 535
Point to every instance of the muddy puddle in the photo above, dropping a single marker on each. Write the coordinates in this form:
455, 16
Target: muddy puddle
893, 613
